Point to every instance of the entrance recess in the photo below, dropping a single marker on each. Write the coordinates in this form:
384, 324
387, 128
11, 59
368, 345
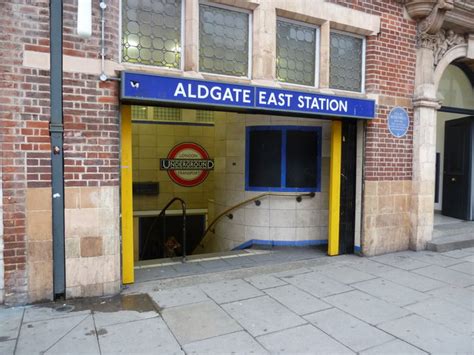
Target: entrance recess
155, 129
457, 175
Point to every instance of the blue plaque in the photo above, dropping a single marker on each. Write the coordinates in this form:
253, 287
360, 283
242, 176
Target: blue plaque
398, 122
147, 88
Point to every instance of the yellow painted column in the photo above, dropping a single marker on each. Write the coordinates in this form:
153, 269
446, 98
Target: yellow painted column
335, 188
127, 197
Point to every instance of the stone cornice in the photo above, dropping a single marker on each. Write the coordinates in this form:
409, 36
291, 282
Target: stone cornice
455, 13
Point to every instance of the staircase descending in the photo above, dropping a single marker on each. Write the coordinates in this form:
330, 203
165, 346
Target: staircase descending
451, 235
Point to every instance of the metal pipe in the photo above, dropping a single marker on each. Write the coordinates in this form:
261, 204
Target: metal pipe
103, 6
57, 157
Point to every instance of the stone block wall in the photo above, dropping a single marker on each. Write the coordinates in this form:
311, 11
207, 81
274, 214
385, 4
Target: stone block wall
386, 220
92, 243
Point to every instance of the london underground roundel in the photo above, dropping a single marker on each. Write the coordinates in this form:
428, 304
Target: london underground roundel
188, 164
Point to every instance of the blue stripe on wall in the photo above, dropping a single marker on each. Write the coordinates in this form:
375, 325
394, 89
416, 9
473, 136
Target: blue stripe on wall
280, 243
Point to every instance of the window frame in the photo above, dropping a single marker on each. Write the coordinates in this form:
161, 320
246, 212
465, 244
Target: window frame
141, 65
317, 52
250, 44
284, 129
364, 46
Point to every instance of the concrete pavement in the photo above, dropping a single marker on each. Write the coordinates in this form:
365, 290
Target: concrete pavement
401, 303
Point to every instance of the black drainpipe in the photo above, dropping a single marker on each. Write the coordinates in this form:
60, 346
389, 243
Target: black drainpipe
57, 158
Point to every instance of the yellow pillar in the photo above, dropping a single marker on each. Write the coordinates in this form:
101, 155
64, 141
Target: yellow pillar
335, 188
127, 197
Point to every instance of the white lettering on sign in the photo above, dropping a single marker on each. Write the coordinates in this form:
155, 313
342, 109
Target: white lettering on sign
322, 103
280, 99
216, 93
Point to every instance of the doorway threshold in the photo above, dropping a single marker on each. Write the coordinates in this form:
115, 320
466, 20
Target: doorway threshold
203, 264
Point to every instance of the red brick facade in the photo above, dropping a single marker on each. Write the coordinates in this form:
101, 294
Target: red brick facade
390, 71
91, 119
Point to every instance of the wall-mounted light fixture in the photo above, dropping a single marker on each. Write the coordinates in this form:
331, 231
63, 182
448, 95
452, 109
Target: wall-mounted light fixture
84, 18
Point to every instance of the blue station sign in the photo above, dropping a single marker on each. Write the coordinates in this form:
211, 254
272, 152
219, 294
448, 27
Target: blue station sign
148, 88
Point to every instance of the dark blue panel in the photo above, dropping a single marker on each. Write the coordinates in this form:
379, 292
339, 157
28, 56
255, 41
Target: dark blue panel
142, 88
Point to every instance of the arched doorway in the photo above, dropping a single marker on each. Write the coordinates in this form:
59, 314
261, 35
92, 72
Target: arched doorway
454, 183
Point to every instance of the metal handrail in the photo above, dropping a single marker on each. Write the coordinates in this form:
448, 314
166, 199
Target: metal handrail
257, 198
162, 213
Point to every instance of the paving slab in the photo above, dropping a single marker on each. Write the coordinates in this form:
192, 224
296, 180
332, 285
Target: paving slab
80, 340
39, 336
345, 274
442, 312
352, 332
51, 311
366, 307
371, 267
428, 336
197, 321
189, 268
262, 315
155, 273
10, 322
265, 281
103, 319
414, 281
458, 254
463, 297
293, 272
466, 267
469, 258
448, 276
217, 264
148, 336
390, 292
178, 296
317, 284
432, 258
230, 290
7, 347
297, 300
304, 339
399, 260
393, 347
234, 343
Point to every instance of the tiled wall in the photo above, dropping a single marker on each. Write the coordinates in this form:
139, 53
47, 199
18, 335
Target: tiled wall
150, 142
277, 218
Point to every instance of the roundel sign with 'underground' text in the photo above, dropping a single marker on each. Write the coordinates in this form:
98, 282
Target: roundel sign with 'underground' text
187, 164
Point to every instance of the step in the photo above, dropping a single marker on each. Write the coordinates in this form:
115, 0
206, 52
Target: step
450, 229
452, 242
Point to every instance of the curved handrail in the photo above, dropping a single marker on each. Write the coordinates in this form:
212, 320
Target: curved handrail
163, 211
255, 198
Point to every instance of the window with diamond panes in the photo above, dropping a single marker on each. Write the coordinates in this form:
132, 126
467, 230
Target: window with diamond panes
296, 53
151, 32
223, 41
346, 62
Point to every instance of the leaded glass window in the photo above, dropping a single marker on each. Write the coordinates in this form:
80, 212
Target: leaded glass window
346, 62
296, 53
223, 41
151, 32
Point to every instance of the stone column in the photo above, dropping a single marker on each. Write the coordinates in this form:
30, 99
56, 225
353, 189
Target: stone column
424, 162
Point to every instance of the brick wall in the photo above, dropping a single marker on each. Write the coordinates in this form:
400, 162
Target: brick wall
90, 117
390, 72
